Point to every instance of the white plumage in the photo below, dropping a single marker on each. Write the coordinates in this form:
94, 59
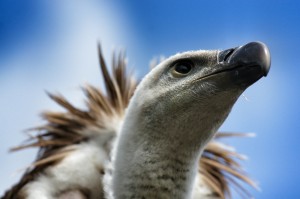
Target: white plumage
75, 146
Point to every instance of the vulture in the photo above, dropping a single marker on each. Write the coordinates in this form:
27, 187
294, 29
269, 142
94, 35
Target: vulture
151, 139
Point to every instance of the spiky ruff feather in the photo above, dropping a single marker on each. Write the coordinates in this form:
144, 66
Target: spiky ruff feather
78, 139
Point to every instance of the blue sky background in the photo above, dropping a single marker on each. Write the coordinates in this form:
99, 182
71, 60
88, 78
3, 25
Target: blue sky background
51, 45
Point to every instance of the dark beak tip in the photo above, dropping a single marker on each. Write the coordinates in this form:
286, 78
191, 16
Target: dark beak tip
266, 64
251, 54
259, 52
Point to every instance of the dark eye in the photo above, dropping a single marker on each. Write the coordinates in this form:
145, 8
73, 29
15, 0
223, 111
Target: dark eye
181, 69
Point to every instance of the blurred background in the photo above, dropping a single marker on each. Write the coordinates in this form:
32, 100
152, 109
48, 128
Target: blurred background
51, 46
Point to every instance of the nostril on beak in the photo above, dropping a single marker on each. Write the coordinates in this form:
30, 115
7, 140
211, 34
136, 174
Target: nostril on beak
253, 53
225, 54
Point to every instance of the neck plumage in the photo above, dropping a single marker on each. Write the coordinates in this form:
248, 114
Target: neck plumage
153, 160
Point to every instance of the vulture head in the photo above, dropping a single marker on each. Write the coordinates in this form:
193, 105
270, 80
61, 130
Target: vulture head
151, 141
175, 111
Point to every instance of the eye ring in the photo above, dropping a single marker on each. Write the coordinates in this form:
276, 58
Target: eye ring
181, 69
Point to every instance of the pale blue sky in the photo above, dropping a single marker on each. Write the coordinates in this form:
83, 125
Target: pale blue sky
51, 45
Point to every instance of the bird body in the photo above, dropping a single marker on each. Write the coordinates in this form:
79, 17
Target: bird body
175, 111
156, 143
74, 146
86, 162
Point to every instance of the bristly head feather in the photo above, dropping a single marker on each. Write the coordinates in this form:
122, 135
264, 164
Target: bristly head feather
63, 130
220, 168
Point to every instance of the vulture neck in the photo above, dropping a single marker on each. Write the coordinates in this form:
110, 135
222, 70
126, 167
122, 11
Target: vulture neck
158, 158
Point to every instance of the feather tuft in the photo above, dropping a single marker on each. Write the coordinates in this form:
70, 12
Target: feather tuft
63, 131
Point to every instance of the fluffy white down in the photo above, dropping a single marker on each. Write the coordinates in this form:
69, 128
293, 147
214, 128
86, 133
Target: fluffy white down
201, 190
107, 179
80, 169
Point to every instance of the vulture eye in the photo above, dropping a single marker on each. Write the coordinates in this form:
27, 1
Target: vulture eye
182, 68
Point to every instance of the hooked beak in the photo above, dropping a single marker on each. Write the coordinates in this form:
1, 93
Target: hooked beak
253, 54
245, 64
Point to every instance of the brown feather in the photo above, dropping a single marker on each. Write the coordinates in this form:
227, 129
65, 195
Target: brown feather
220, 169
62, 130
65, 129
